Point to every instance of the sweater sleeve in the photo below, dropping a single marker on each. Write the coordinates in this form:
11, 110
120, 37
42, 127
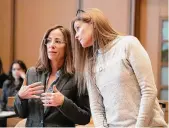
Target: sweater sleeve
141, 65
96, 106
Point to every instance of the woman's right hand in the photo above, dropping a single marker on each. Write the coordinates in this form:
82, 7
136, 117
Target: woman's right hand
31, 91
22, 74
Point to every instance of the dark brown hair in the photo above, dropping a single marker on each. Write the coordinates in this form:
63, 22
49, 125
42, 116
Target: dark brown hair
11, 78
43, 63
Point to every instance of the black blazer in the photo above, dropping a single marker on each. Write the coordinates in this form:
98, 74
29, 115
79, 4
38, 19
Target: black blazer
75, 109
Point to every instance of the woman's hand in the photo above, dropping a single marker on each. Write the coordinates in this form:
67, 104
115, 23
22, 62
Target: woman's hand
31, 91
53, 99
22, 74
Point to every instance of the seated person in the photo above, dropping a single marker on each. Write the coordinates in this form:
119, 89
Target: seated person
50, 96
3, 76
12, 85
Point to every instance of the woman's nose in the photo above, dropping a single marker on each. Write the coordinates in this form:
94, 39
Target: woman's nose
52, 45
76, 36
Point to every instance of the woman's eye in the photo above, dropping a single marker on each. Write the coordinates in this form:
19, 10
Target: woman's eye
48, 40
57, 41
77, 29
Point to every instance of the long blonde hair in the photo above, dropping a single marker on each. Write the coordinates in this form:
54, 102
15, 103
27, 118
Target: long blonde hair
103, 33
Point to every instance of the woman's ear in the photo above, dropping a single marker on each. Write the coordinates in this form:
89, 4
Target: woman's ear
93, 23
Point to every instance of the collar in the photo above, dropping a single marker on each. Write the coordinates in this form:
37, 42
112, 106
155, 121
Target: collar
108, 46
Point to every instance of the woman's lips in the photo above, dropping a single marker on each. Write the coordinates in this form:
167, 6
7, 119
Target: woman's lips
52, 52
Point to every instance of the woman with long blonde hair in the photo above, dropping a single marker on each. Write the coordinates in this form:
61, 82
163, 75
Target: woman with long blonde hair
118, 74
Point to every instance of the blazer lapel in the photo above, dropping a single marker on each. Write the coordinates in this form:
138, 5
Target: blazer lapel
42, 78
60, 84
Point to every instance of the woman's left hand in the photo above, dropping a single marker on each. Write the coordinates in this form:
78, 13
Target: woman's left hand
52, 99
22, 74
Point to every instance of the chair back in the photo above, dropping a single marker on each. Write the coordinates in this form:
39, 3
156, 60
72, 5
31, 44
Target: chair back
11, 101
0, 92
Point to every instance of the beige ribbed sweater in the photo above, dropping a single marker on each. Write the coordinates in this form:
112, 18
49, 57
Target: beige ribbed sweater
125, 91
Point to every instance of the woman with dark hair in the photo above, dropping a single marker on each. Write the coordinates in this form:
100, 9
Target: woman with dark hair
49, 96
14, 82
3, 76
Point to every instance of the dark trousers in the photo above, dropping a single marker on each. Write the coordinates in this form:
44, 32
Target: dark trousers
3, 122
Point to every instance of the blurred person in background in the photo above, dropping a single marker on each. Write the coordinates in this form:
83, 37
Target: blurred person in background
14, 82
11, 86
3, 76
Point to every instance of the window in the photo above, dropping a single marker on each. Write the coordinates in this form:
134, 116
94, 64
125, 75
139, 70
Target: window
163, 67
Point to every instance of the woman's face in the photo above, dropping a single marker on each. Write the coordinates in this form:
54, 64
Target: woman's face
55, 45
84, 33
16, 70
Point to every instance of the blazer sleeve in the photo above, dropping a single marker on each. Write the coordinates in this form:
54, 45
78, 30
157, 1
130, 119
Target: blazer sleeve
79, 111
20, 105
141, 65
